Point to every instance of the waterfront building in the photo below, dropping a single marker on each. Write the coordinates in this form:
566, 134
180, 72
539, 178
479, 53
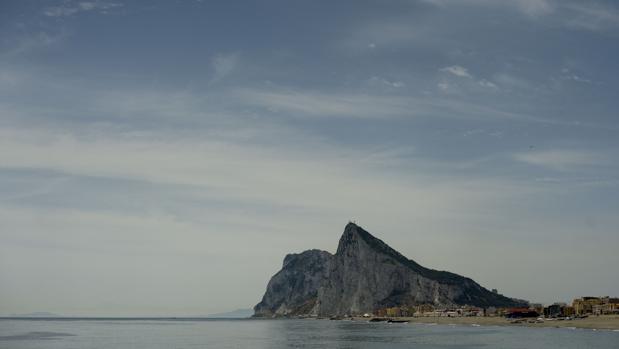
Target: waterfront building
596, 305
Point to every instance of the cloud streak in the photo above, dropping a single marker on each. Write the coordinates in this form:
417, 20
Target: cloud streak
323, 105
563, 160
592, 16
223, 65
457, 71
71, 9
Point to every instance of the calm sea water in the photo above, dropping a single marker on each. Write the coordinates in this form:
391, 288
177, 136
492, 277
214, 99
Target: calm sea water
153, 334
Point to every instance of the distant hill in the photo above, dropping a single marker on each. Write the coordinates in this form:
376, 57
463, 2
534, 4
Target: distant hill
235, 314
364, 275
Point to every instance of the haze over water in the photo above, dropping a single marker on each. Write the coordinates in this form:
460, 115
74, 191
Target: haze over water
280, 334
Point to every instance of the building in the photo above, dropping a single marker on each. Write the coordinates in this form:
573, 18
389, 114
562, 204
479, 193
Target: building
552, 311
394, 312
558, 310
614, 302
490, 311
584, 305
422, 310
568, 311
538, 307
608, 307
471, 311
596, 305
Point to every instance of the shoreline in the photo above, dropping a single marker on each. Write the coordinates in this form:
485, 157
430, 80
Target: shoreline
602, 322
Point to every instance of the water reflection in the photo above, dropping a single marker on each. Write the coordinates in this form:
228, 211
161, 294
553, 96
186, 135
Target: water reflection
35, 336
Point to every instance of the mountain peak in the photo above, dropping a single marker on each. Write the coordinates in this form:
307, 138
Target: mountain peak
351, 237
351, 224
354, 233
351, 228
365, 274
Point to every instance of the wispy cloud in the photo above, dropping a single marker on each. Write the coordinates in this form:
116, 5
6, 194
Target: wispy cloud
469, 83
511, 81
378, 81
457, 71
379, 34
237, 110
327, 105
220, 166
587, 15
535, 7
528, 7
223, 65
592, 16
31, 43
73, 8
488, 84
567, 74
562, 159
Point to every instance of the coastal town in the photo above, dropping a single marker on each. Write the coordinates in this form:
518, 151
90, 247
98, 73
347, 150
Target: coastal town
595, 313
579, 308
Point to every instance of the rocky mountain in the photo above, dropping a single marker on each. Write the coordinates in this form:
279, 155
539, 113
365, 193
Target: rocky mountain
294, 289
364, 275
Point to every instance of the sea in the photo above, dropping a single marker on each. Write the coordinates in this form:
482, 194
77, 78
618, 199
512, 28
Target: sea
75, 333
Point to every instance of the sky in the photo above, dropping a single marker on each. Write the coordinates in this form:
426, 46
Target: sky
160, 158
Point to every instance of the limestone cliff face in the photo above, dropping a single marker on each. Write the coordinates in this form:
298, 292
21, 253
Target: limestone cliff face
366, 274
294, 289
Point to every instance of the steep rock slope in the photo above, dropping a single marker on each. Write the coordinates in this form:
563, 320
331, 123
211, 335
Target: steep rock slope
366, 274
294, 289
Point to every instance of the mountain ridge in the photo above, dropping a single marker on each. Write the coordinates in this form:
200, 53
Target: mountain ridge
380, 244
365, 274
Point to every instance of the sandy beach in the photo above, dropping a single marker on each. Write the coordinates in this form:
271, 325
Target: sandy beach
603, 322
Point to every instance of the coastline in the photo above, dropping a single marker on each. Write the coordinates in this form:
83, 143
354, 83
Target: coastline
602, 322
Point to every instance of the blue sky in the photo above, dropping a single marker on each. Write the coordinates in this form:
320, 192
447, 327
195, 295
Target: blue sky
162, 157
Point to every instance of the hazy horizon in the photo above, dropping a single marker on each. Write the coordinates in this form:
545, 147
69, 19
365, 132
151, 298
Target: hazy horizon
161, 158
